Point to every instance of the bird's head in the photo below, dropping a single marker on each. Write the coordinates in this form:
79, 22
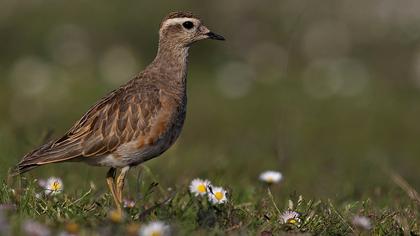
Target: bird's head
183, 28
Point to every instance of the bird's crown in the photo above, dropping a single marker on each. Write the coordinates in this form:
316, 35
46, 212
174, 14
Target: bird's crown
179, 14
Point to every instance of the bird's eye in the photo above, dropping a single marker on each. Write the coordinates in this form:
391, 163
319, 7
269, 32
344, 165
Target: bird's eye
188, 24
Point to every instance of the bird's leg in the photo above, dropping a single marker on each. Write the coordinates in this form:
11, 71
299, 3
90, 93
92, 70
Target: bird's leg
120, 182
110, 180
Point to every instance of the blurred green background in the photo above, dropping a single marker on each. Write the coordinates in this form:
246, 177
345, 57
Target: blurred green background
327, 92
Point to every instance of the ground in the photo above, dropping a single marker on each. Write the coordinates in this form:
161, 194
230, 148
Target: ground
251, 210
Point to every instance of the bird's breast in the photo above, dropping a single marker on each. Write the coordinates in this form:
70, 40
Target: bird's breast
163, 131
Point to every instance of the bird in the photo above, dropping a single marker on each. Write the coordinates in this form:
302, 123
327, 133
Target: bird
137, 121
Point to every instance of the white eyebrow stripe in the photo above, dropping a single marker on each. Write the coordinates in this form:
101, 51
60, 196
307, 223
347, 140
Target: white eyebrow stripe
175, 21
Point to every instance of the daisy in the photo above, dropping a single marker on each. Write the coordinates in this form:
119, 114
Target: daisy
115, 216
4, 225
128, 203
155, 228
53, 186
72, 229
33, 228
362, 222
290, 217
271, 177
217, 195
198, 187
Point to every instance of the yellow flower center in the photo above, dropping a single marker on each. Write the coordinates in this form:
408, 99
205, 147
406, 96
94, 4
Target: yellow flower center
270, 179
218, 195
115, 216
292, 221
201, 188
55, 186
72, 228
156, 233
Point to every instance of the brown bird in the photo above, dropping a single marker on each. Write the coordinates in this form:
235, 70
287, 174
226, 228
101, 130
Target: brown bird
138, 121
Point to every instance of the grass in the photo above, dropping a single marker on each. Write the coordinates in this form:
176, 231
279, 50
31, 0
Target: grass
341, 156
250, 210
342, 127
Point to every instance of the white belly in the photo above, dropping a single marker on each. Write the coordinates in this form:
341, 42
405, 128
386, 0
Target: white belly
108, 160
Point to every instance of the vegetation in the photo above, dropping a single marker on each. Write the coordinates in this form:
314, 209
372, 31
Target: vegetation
327, 94
250, 210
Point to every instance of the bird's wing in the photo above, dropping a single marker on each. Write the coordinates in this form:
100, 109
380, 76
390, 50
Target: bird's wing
116, 119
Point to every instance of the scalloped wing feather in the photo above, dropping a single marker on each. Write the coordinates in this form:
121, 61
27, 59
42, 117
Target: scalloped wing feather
118, 118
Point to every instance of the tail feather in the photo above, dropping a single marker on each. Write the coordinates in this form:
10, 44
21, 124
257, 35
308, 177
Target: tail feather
20, 169
45, 154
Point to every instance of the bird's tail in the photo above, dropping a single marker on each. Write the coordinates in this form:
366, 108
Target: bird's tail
29, 161
43, 155
20, 169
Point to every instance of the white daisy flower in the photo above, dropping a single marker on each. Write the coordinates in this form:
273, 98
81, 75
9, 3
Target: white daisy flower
271, 177
53, 186
198, 187
155, 228
129, 203
217, 195
290, 217
33, 228
4, 224
362, 222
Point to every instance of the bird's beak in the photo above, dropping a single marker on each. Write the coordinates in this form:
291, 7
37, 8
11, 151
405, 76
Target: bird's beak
214, 36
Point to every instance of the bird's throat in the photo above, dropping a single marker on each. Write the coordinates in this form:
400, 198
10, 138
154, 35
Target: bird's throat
173, 62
